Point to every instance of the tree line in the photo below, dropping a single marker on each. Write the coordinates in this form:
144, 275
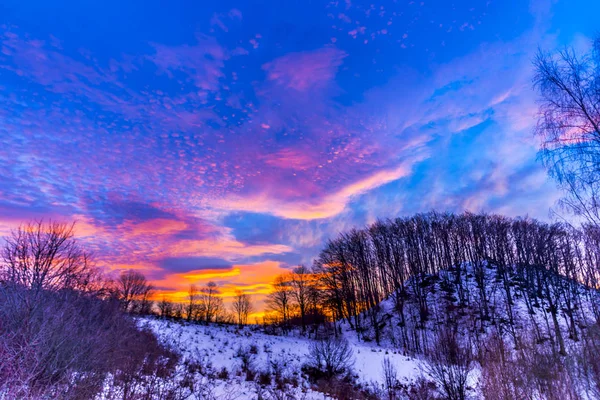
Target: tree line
517, 295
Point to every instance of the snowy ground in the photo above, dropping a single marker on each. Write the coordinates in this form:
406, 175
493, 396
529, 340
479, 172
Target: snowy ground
219, 346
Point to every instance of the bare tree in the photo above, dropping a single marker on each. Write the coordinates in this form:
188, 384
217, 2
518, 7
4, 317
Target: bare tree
449, 364
279, 300
242, 307
301, 282
165, 307
191, 309
178, 310
45, 256
569, 125
211, 305
60, 334
133, 290
390, 377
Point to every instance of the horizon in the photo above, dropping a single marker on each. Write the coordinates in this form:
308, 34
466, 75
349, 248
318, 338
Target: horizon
227, 142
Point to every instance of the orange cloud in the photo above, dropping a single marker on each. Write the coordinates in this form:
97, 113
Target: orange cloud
196, 276
225, 248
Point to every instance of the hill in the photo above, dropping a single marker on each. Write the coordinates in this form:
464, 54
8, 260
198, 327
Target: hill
480, 323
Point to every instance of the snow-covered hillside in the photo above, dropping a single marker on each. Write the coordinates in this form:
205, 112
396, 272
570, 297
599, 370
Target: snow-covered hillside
247, 363
477, 302
223, 348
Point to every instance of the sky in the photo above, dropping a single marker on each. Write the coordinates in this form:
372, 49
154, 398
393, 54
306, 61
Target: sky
229, 140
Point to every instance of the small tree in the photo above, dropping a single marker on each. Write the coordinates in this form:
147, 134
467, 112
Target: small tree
133, 290
166, 308
280, 299
211, 306
301, 282
177, 310
191, 309
390, 377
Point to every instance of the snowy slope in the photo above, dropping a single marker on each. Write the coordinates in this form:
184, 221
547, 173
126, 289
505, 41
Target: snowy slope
220, 346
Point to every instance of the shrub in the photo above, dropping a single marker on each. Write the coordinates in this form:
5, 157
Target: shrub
264, 378
61, 334
223, 374
328, 358
390, 378
246, 357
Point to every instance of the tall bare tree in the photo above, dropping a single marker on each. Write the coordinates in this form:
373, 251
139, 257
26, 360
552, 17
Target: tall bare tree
211, 304
300, 282
242, 307
191, 309
569, 126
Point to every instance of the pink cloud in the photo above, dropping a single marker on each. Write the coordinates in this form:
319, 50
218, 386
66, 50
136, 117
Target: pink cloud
159, 226
325, 206
307, 70
289, 158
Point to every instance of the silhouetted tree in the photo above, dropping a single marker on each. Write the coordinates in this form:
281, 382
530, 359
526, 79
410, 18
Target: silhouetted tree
192, 308
211, 305
133, 290
242, 307
280, 299
300, 283
165, 308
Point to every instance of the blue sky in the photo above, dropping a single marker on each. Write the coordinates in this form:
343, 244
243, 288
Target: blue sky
229, 140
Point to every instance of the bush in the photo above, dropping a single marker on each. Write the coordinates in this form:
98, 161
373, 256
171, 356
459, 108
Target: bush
421, 389
328, 358
346, 388
64, 344
246, 357
223, 374
264, 378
